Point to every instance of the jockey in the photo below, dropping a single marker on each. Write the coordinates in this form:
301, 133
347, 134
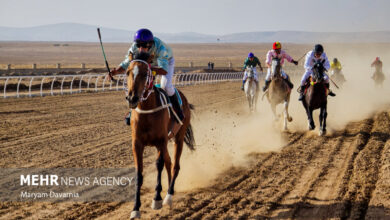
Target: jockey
277, 52
335, 65
377, 64
316, 54
252, 61
163, 64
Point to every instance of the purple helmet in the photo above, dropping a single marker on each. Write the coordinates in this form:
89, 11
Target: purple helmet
143, 36
250, 55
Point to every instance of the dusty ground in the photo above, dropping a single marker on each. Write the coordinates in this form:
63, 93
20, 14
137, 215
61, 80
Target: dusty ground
243, 168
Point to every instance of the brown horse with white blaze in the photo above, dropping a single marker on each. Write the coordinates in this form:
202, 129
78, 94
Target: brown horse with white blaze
150, 121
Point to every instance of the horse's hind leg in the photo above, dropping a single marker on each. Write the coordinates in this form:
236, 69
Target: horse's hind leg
157, 201
138, 150
179, 139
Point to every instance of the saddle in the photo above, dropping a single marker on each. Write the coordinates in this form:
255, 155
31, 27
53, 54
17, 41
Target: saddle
174, 126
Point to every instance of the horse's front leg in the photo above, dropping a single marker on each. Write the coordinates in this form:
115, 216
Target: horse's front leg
138, 150
323, 116
285, 114
157, 201
310, 118
273, 108
179, 139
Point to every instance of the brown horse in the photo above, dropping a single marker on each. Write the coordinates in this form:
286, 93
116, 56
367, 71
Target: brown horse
316, 97
150, 121
279, 92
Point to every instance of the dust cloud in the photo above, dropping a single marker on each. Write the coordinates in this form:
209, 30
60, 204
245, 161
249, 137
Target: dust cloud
226, 134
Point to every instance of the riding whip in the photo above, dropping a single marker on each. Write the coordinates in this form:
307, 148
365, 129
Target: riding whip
104, 55
301, 57
334, 83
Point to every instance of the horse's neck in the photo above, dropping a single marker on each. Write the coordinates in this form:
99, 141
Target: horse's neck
150, 103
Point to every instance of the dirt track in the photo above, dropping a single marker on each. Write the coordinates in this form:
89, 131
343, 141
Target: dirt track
344, 175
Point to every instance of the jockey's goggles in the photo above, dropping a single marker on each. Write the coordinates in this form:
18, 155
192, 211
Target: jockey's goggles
144, 44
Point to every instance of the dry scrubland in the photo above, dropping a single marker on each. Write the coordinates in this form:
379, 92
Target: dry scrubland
243, 168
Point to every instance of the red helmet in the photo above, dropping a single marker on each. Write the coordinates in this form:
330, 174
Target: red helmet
377, 58
276, 45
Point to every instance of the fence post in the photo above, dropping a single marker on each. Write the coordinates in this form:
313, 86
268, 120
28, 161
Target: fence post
34, 66
42, 86
58, 65
81, 81
29, 87
71, 84
230, 65
52, 84
8, 66
5, 88
17, 87
97, 78
62, 84
191, 64
83, 66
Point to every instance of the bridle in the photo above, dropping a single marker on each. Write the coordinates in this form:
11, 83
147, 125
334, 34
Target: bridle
148, 83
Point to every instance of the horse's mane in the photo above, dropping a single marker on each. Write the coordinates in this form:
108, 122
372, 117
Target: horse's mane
142, 56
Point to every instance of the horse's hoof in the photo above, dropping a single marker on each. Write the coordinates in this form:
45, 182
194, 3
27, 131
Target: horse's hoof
168, 200
157, 204
311, 127
322, 132
289, 119
135, 214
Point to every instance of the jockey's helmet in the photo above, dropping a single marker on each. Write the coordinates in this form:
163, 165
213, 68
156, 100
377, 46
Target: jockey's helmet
318, 49
277, 45
251, 55
143, 37
377, 58
335, 60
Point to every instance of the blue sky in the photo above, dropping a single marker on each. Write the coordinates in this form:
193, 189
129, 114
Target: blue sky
203, 16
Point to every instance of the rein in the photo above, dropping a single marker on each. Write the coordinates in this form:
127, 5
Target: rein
148, 83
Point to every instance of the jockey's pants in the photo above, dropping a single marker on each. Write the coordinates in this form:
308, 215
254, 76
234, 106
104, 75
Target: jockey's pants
309, 73
268, 77
254, 72
166, 80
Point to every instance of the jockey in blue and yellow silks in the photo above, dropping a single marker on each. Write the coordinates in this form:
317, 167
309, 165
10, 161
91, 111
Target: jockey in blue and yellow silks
163, 63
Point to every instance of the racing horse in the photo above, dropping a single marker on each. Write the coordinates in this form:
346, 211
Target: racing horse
316, 97
378, 78
150, 119
338, 77
279, 91
250, 88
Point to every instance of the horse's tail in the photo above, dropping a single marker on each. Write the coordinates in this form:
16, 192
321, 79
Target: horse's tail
189, 138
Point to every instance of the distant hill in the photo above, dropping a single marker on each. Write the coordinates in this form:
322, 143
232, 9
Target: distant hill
87, 33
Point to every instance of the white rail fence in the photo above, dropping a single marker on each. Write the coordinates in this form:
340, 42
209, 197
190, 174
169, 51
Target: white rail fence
29, 86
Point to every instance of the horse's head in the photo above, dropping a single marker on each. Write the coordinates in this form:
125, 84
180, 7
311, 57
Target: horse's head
139, 78
276, 67
318, 70
250, 72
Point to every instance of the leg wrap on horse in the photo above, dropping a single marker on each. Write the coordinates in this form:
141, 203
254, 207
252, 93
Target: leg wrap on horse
176, 106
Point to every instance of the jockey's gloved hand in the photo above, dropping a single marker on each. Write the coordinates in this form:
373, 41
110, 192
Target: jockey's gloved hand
295, 62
